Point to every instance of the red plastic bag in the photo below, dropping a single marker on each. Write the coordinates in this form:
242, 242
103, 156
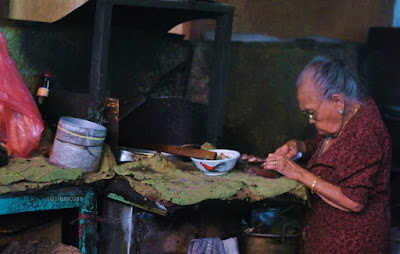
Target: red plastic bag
21, 124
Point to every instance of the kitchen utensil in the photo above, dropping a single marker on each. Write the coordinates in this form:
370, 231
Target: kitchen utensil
126, 154
183, 151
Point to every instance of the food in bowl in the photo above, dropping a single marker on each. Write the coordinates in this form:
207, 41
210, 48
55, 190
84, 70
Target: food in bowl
226, 161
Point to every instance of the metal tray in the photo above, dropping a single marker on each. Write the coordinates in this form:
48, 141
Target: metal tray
126, 154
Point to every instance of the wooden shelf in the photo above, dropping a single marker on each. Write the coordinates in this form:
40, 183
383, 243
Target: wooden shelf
162, 15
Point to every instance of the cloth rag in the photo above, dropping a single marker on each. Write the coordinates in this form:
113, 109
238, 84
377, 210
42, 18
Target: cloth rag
231, 245
213, 246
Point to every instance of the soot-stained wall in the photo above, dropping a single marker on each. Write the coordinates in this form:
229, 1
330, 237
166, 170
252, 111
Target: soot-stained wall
261, 108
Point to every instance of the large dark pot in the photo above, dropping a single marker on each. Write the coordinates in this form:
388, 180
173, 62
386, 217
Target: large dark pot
167, 120
276, 230
268, 243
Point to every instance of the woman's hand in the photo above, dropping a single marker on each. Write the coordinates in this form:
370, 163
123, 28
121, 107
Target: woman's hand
284, 165
291, 148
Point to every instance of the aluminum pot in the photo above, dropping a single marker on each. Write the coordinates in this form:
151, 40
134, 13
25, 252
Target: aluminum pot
256, 243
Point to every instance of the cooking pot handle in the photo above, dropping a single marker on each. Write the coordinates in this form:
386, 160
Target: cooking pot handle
286, 227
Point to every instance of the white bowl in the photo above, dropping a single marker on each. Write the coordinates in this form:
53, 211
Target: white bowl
217, 167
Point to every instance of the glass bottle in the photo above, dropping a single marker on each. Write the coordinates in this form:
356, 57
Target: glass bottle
42, 94
43, 91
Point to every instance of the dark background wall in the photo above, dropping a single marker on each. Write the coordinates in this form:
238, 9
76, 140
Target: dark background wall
344, 20
261, 110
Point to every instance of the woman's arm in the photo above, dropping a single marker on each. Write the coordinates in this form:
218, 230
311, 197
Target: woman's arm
330, 193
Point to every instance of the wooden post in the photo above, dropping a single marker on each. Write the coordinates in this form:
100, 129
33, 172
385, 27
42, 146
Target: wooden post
98, 71
219, 77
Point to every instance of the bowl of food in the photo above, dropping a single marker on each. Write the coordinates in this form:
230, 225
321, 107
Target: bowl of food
225, 161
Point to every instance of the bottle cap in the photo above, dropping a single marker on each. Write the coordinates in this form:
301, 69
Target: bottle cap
47, 74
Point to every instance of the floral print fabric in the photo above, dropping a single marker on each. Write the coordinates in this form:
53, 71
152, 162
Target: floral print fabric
359, 162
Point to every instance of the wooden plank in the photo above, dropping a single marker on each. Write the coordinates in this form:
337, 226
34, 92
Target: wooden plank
182, 151
40, 10
186, 5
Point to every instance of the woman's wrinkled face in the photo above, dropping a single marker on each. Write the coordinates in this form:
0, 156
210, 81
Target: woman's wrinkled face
323, 110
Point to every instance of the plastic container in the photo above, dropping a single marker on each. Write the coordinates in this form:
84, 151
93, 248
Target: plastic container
78, 144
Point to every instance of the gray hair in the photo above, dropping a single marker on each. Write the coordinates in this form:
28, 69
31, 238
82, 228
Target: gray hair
333, 77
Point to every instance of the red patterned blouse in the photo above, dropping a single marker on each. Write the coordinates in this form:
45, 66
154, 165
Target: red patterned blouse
360, 163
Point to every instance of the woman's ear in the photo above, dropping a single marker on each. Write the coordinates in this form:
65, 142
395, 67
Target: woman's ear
338, 101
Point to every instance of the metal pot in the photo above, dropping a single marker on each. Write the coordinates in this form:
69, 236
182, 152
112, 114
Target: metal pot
273, 230
256, 243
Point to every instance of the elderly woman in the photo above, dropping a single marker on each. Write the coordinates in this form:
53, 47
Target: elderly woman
349, 162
